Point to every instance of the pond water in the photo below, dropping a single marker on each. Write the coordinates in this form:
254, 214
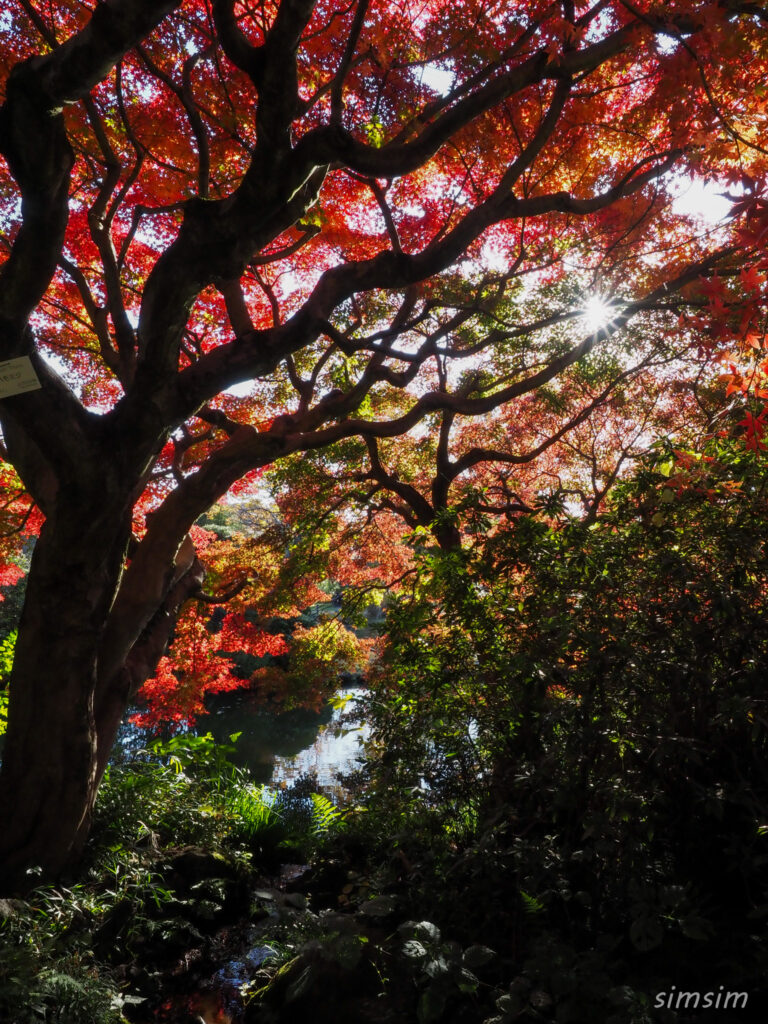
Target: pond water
279, 746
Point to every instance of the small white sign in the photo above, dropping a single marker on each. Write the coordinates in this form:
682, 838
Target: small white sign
18, 376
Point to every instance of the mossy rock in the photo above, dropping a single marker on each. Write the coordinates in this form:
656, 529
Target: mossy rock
12, 908
324, 984
194, 864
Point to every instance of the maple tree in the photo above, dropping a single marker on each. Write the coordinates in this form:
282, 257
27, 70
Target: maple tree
368, 210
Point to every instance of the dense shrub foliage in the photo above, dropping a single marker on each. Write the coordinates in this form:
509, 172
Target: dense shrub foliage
180, 836
563, 812
580, 713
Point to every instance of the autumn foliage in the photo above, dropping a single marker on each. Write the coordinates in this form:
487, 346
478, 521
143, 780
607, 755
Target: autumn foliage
199, 667
339, 254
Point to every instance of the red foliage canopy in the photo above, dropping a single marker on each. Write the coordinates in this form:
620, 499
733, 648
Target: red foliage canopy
236, 232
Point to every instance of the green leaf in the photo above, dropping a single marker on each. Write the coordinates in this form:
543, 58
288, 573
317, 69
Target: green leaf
424, 930
477, 956
414, 950
467, 982
301, 985
646, 933
374, 132
530, 903
437, 968
431, 1006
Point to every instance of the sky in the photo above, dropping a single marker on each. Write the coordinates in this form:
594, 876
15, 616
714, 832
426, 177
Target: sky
700, 199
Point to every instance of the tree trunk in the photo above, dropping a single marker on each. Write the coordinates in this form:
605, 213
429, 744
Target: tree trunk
49, 773
116, 692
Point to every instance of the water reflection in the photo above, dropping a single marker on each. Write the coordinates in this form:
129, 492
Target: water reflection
279, 746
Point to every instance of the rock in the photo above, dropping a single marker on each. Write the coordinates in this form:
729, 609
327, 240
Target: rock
10, 908
324, 984
194, 864
332, 921
266, 894
294, 877
295, 899
379, 906
212, 888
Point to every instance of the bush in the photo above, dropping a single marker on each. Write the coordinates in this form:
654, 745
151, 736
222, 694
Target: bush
45, 977
570, 720
176, 832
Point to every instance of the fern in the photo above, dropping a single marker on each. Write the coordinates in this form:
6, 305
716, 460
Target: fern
255, 809
324, 814
530, 903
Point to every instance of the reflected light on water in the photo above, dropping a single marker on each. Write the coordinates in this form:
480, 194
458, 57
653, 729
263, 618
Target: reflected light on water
277, 746
336, 748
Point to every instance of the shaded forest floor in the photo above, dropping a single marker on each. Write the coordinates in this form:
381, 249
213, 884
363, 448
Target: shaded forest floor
205, 898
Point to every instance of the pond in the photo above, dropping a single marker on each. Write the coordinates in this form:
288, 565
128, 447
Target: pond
279, 746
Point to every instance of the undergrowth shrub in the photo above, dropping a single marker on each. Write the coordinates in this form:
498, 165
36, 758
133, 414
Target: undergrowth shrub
570, 729
178, 794
186, 790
